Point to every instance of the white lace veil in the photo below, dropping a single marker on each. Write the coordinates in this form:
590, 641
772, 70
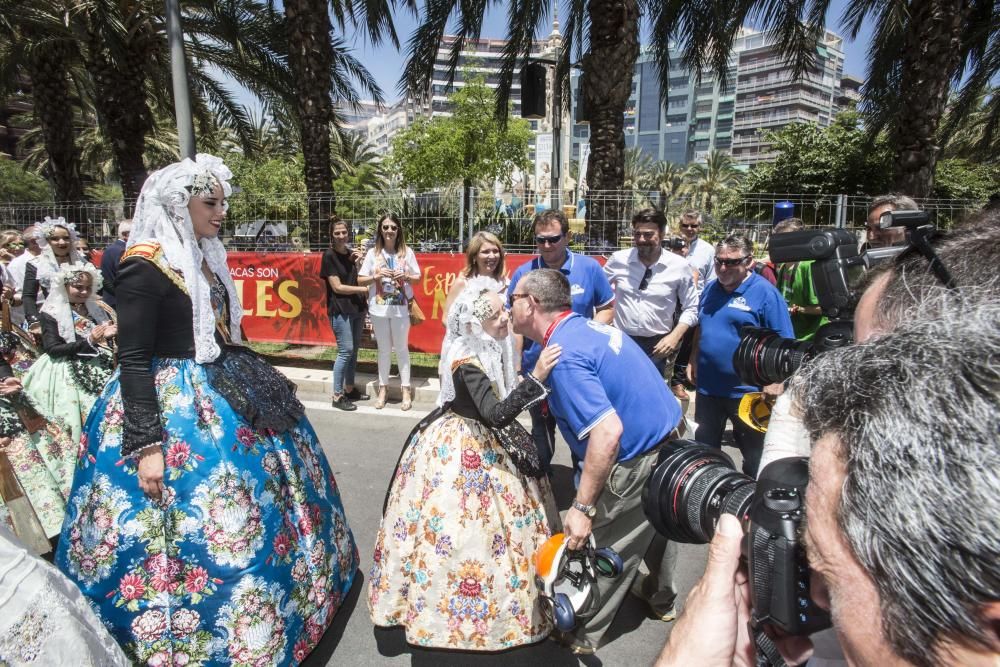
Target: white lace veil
57, 304
465, 337
46, 264
161, 215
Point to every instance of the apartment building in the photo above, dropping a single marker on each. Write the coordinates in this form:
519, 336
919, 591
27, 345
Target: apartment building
758, 94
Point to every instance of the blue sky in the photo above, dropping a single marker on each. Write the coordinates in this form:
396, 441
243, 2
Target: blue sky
386, 63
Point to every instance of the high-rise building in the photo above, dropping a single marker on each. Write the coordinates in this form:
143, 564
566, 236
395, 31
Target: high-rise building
758, 94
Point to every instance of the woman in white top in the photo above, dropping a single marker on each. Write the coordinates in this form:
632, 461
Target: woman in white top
389, 270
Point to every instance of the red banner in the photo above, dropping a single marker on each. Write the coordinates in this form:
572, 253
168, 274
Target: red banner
284, 299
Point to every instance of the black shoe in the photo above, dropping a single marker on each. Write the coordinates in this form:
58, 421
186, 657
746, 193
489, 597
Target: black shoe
343, 403
356, 395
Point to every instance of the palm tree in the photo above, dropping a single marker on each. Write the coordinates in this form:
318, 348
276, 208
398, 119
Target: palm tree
312, 57
668, 179
707, 182
46, 66
636, 169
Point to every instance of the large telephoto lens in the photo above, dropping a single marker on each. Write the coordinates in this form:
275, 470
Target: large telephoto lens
763, 357
690, 488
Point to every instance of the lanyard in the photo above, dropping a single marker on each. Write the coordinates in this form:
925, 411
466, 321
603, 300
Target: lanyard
548, 332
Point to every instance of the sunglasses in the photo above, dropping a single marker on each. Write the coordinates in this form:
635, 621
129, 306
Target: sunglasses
515, 297
389, 228
644, 283
696, 226
731, 262
548, 240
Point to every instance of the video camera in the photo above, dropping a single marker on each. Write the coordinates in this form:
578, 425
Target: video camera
694, 484
763, 357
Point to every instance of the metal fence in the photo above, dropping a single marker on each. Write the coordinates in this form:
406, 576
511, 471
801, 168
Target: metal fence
443, 220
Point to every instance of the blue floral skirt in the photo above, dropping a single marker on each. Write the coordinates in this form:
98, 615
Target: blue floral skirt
246, 559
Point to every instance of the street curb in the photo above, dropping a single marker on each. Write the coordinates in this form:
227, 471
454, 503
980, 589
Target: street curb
315, 382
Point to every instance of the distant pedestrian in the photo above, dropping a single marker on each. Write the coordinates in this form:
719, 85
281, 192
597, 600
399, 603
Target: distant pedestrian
110, 259
346, 304
389, 270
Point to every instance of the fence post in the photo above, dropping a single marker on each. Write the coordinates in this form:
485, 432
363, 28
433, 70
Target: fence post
461, 218
841, 213
473, 193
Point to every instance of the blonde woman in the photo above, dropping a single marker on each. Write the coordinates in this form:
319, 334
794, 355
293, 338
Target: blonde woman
389, 271
484, 256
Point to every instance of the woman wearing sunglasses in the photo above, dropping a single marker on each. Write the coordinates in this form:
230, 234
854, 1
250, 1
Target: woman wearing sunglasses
389, 270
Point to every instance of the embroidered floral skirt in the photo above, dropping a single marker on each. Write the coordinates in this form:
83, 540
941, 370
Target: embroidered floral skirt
64, 390
246, 560
43, 463
453, 554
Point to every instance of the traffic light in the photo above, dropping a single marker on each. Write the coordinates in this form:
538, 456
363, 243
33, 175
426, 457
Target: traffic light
533, 91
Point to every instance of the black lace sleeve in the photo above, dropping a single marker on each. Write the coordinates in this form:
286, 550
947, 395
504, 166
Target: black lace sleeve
492, 411
140, 289
56, 347
29, 293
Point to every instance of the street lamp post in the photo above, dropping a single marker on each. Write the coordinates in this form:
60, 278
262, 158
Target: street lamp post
178, 72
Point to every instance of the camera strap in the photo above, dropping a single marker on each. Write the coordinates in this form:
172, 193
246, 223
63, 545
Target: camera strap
766, 654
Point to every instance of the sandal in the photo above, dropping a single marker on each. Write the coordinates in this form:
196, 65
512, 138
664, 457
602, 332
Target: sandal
407, 399
380, 401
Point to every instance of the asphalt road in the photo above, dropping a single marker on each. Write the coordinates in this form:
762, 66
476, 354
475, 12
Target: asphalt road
362, 447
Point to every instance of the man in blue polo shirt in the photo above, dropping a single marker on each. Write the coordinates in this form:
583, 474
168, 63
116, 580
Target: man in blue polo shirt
738, 297
614, 410
591, 297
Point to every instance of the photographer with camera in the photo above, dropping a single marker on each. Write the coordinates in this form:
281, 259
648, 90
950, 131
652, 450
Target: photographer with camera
881, 237
903, 501
614, 411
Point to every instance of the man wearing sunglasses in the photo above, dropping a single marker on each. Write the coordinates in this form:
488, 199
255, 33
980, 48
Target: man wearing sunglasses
651, 286
738, 297
591, 297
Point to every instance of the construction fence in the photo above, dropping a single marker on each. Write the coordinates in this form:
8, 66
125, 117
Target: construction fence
443, 220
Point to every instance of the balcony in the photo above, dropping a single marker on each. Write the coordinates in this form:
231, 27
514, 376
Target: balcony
782, 99
747, 121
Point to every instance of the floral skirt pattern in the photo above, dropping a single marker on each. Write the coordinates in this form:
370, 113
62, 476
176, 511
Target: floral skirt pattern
246, 559
453, 553
43, 463
53, 387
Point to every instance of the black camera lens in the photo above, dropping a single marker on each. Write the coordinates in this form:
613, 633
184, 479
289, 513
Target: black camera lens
763, 357
690, 488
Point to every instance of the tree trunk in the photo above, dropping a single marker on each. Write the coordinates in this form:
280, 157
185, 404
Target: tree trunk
614, 48
51, 94
930, 56
310, 58
122, 110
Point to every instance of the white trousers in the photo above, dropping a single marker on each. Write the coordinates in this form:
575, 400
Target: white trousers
392, 333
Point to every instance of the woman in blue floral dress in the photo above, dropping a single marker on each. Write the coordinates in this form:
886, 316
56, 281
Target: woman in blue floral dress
204, 523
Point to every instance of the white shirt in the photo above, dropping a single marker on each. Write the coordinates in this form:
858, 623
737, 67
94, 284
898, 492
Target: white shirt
701, 257
380, 301
16, 269
650, 312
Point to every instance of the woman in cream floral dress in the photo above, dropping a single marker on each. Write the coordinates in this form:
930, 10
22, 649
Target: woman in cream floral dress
468, 504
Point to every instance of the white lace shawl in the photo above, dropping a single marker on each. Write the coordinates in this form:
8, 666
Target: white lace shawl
46, 264
161, 215
57, 304
465, 338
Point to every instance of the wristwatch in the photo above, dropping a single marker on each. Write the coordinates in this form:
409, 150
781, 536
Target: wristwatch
589, 510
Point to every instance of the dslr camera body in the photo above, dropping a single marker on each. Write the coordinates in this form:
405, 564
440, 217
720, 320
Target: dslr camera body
694, 484
763, 357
